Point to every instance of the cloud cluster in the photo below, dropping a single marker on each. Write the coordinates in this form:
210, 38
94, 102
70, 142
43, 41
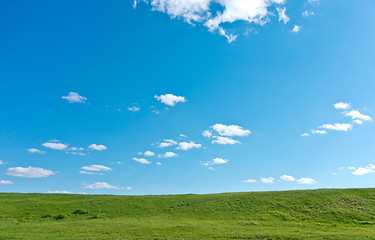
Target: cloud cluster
100, 185
30, 172
360, 171
215, 14
222, 134
283, 178
215, 161
357, 118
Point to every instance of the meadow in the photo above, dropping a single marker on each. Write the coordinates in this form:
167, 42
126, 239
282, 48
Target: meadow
308, 214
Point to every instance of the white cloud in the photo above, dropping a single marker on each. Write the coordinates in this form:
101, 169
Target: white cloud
318, 132
30, 172
201, 11
250, 181
34, 150
267, 180
169, 155
287, 178
352, 168
282, 16
89, 173
341, 105
149, 154
354, 114
296, 29
305, 134
167, 143
129, 188
134, 109
159, 163
55, 144
1, 162
363, 170
359, 122
96, 168
74, 97
219, 161
306, 181
97, 147
141, 160
308, 13
225, 140
170, 99
215, 161
5, 182
337, 126
60, 192
100, 185
188, 145
182, 135
230, 130
206, 133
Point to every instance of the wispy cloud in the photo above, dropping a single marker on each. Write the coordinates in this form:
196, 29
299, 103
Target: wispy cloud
34, 150
141, 160
100, 185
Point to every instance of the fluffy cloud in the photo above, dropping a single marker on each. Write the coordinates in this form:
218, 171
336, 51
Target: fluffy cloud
170, 99
219, 161
74, 97
207, 133
30, 172
230, 130
188, 145
225, 140
5, 182
306, 181
337, 126
341, 105
250, 181
55, 144
34, 150
363, 170
169, 155
287, 178
97, 147
354, 114
167, 143
96, 168
149, 154
267, 180
282, 16
134, 109
100, 185
296, 29
204, 12
141, 160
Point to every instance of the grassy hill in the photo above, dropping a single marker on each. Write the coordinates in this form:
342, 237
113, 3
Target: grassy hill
315, 214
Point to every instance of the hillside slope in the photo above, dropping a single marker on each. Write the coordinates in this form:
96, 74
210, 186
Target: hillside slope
313, 214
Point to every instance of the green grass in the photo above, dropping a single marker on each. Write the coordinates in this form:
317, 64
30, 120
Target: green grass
315, 214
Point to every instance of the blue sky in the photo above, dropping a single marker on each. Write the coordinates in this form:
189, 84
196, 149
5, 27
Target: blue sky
89, 87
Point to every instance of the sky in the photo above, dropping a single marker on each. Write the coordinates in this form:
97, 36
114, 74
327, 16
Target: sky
186, 96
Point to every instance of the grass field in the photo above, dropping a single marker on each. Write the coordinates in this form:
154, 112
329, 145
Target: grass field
315, 214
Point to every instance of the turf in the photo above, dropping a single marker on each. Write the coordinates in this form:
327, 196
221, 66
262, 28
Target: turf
312, 214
